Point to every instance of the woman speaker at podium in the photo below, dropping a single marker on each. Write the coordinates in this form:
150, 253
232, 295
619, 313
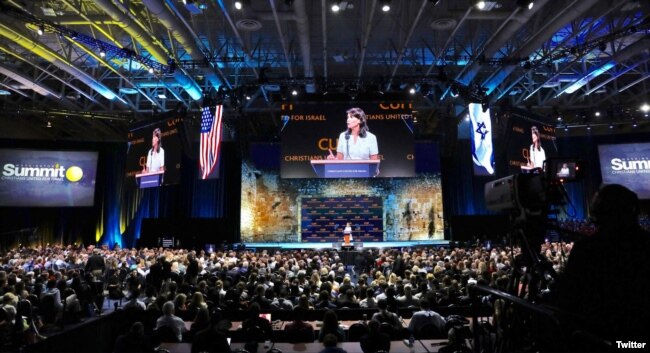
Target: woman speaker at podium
156, 155
347, 234
356, 142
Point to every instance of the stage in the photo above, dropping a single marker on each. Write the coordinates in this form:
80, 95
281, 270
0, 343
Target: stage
365, 245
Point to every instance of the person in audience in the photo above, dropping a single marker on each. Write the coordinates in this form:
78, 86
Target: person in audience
196, 304
211, 339
254, 319
172, 321
374, 340
52, 295
304, 303
281, 302
134, 341
134, 302
347, 299
385, 316
299, 330
201, 322
455, 343
605, 282
369, 301
180, 305
407, 299
324, 301
329, 342
96, 265
425, 316
331, 326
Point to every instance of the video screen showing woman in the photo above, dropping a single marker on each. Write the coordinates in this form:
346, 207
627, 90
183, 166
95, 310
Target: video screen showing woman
536, 154
357, 142
156, 155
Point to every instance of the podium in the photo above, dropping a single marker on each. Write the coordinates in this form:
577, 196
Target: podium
149, 180
346, 168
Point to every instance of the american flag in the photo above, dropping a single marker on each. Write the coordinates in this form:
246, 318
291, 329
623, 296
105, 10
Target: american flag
210, 139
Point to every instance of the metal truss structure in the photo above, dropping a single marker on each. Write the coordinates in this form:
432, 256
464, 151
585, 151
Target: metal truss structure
71, 68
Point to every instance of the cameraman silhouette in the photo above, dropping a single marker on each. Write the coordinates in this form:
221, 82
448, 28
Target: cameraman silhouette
606, 283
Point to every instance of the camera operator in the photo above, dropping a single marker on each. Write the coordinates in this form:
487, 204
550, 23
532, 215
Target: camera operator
606, 282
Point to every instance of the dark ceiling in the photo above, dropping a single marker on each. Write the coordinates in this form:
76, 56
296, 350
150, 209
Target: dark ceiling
163, 57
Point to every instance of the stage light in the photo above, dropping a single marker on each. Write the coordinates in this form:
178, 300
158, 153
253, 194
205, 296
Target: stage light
526, 3
453, 91
480, 5
566, 128
151, 70
588, 127
597, 113
49, 124
102, 52
611, 125
294, 92
335, 6
645, 107
385, 5
238, 5
634, 123
41, 30
412, 90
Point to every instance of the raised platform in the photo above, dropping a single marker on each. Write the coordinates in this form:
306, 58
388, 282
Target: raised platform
382, 244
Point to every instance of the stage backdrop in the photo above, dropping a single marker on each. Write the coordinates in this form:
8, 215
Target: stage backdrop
310, 130
323, 219
271, 207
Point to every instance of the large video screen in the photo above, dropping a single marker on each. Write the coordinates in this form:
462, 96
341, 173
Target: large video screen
628, 165
347, 140
155, 148
32, 178
482, 148
529, 144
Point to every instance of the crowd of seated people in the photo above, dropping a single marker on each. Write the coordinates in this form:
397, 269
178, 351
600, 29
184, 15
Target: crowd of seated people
177, 285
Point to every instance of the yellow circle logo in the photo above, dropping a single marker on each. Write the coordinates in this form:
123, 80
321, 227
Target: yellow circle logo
74, 174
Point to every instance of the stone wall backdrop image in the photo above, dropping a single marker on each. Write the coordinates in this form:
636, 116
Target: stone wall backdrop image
271, 207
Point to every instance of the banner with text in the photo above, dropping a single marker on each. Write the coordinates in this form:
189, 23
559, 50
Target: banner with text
47, 178
628, 165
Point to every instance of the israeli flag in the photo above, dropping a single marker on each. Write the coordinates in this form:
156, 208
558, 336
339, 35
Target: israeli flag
482, 150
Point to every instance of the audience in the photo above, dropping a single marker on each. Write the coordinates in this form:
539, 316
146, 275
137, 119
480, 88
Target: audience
191, 283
